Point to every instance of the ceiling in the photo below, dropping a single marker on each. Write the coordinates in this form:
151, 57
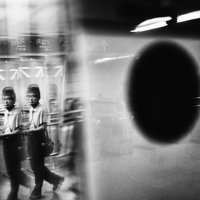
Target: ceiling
33, 16
121, 16
102, 16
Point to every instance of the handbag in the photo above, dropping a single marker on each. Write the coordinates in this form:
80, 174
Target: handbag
48, 145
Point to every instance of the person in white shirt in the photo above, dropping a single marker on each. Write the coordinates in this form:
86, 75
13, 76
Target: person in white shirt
36, 137
11, 143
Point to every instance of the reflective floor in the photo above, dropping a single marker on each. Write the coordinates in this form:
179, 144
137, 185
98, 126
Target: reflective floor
149, 173
145, 172
70, 188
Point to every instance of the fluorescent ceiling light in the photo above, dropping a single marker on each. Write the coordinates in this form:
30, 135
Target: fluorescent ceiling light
150, 27
161, 21
102, 60
188, 16
152, 24
155, 20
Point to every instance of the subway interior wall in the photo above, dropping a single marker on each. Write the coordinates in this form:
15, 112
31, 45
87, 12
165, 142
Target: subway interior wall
123, 163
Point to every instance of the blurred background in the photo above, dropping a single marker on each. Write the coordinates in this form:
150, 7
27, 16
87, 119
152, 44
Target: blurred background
124, 120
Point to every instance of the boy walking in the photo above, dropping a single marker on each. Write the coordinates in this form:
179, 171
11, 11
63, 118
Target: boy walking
11, 143
36, 136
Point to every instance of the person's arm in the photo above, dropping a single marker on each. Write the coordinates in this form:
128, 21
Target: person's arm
17, 130
14, 132
2, 135
42, 127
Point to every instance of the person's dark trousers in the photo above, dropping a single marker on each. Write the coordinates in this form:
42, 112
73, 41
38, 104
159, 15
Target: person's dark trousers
13, 165
37, 165
41, 172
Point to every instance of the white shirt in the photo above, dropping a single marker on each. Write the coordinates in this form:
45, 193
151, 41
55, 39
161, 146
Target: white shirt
37, 116
12, 120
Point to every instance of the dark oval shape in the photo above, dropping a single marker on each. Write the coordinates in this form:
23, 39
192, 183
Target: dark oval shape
162, 86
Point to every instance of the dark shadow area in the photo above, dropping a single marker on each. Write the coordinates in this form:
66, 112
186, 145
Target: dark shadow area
163, 82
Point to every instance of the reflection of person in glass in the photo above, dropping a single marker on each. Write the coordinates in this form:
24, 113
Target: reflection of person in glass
67, 123
54, 109
11, 143
53, 99
36, 136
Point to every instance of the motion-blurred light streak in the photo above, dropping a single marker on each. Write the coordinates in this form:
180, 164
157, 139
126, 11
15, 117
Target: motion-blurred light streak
189, 16
102, 60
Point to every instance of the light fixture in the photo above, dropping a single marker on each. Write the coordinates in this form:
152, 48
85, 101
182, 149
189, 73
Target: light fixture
102, 60
160, 22
189, 16
152, 24
150, 27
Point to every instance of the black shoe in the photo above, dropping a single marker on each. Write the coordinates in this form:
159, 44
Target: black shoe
57, 185
35, 196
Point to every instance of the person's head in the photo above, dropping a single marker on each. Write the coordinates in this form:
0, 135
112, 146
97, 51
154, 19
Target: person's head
8, 97
33, 94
